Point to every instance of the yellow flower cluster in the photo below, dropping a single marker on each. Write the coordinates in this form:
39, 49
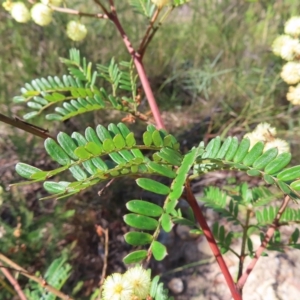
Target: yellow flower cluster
265, 133
41, 13
287, 46
134, 284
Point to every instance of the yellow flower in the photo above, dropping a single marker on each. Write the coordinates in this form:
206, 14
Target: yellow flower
140, 280
262, 133
116, 287
291, 72
41, 14
7, 5
160, 3
279, 42
294, 94
281, 145
290, 50
19, 12
292, 26
76, 31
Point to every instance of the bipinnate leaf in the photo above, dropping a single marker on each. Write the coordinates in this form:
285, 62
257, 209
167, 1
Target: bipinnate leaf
289, 174
138, 238
144, 208
159, 250
56, 152
135, 257
166, 222
161, 169
153, 186
242, 150
140, 222
26, 171
281, 161
253, 154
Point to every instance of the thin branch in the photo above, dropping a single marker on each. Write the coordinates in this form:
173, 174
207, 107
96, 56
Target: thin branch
14, 283
103, 7
262, 247
243, 247
150, 26
155, 29
112, 7
35, 130
211, 241
77, 12
40, 281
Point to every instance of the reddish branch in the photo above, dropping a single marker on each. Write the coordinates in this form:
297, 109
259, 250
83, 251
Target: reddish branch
270, 232
139, 67
14, 283
211, 241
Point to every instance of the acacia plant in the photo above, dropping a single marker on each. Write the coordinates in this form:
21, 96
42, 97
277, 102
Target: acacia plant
108, 152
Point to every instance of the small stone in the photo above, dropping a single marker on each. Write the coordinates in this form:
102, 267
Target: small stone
176, 285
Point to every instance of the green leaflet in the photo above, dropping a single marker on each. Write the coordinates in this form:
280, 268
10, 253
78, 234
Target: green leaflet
93, 148
281, 161
295, 185
138, 238
119, 141
144, 208
56, 152
67, 143
161, 169
108, 145
232, 149
82, 153
253, 172
130, 140
222, 152
140, 222
166, 222
159, 250
147, 138
253, 154
212, 148
242, 150
55, 187
265, 158
135, 257
289, 174
26, 171
91, 136
153, 186
157, 139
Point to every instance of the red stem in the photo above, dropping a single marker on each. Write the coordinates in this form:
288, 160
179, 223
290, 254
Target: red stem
212, 242
14, 283
140, 70
270, 232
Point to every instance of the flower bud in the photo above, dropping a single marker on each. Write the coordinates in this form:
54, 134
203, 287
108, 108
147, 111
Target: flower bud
41, 14
20, 12
76, 31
